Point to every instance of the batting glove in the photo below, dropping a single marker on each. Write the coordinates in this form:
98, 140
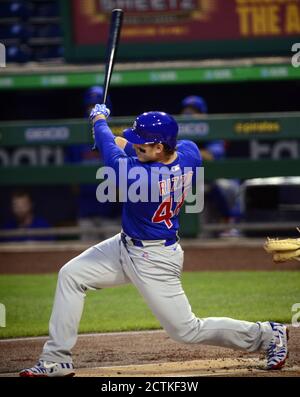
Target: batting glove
99, 110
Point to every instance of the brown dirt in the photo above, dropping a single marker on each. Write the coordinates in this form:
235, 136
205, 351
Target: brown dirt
149, 354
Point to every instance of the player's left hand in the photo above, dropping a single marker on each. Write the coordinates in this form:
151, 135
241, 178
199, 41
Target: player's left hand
99, 110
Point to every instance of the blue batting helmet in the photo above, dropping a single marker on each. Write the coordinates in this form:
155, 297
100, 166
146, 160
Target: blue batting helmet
94, 95
153, 127
196, 102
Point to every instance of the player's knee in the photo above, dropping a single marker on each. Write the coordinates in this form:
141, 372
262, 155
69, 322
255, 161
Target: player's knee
66, 273
72, 275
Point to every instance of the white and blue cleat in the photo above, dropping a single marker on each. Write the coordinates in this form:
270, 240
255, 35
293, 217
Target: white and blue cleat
45, 369
277, 351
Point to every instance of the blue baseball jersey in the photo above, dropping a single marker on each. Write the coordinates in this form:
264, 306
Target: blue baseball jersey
156, 216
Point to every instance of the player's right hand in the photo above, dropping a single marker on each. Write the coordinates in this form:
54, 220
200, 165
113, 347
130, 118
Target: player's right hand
99, 110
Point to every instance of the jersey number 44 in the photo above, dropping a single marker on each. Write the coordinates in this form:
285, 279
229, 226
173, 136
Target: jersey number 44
164, 212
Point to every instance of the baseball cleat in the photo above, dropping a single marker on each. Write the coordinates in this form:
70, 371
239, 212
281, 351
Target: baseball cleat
44, 369
277, 351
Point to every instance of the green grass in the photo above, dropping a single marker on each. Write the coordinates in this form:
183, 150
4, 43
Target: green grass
249, 296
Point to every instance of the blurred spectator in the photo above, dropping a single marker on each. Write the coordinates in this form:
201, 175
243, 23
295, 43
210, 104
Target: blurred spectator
23, 217
222, 198
91, 213
196, 106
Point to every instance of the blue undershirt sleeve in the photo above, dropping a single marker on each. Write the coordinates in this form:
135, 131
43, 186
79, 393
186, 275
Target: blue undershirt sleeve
105, 142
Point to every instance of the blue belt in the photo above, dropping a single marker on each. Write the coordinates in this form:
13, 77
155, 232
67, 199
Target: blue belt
140, 243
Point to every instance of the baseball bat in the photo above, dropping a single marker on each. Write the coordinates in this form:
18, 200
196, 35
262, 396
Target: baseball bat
111, 49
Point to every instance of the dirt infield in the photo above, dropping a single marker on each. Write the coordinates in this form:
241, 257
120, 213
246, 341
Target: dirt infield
241, 254
150, 353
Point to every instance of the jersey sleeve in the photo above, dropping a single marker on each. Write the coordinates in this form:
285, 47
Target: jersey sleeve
112, 155
191, 150
105, 142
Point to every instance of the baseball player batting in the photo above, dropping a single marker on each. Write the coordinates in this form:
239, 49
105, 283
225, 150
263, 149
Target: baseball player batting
146, 253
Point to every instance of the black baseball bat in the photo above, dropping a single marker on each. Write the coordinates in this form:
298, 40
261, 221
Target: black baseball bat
111, 49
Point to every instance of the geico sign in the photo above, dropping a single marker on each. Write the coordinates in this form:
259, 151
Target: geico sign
47, 134
199, 128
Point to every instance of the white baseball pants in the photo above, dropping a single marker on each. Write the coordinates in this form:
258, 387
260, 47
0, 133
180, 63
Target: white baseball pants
155, 271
